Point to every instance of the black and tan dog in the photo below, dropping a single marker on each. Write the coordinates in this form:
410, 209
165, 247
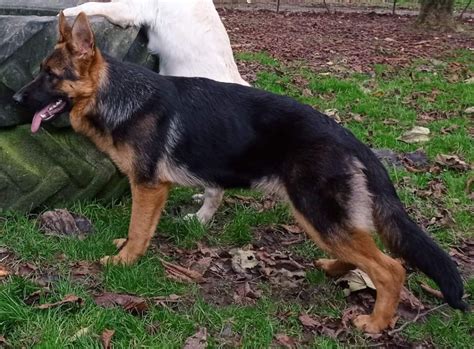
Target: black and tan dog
193, 131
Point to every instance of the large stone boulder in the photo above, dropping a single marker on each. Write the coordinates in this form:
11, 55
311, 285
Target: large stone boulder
56, 165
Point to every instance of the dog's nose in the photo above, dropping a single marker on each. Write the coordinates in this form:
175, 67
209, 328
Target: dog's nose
18, 97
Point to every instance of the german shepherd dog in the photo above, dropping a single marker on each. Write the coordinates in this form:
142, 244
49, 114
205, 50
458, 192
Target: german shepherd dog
162, 130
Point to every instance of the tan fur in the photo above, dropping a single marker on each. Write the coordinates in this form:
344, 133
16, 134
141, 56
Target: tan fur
357, 248
333, 267
147, 204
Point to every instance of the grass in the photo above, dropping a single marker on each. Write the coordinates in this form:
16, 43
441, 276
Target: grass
387, 94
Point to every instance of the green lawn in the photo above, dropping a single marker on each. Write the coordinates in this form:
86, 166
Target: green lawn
364, 103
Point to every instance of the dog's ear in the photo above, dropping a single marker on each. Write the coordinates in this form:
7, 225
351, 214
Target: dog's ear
64, 28
82, 37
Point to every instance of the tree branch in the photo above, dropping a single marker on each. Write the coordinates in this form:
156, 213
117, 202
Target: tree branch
465, 8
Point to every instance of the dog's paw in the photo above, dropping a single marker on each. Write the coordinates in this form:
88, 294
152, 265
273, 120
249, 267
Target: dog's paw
119, 243
119, 259
367, 323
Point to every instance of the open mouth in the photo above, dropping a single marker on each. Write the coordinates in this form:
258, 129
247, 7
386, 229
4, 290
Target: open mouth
47, 113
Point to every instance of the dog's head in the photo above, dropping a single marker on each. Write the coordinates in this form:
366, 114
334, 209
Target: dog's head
65, 75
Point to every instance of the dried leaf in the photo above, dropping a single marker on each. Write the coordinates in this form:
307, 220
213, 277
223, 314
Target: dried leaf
285, 341
197, 340
172, 298
333, 114
415, 135
3, 271
35, 296
245, 294
202, 265
356, 280
68, 299
449, 129
61, 222
106, 338
308, 321
292, 228
452, 161
132, 304
80, 333
179, 273
3, 341
469, 110
408, 298
242, 260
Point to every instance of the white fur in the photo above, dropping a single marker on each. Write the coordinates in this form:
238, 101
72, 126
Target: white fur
187, 35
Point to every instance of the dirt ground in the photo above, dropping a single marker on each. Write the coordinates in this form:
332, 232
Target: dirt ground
354, 40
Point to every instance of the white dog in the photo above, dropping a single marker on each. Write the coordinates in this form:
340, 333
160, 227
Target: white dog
190, 40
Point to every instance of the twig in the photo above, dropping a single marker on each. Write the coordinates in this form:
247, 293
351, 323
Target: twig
327, 7
278, 6
431, 291
419, 315
393, 7
464, 10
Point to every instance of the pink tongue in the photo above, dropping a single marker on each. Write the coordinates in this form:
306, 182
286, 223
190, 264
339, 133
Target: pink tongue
36, 123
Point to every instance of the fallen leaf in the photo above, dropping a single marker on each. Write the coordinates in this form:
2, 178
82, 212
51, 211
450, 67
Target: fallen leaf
3, 271
3, 341
244, 294
197, 340
243, 260
68, 299
410, 300
201, 265
415, 135
292, 228
333, 114
449, 129
452, 161
106, 338
181, 274
80, 333
172, 298
61, 222
469, 110
35, 296
285, 340
132, 304
356, 280
309, 321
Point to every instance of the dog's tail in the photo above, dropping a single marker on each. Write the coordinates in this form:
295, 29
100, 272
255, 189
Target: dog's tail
405, 238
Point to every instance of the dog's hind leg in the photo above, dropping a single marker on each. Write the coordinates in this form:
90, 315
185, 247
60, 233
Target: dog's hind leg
212, 201
357, 248
147, 204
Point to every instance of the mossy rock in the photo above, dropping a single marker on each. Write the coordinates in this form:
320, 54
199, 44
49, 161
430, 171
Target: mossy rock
55, 166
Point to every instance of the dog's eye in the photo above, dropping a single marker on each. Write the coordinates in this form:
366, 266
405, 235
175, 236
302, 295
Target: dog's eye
52, 75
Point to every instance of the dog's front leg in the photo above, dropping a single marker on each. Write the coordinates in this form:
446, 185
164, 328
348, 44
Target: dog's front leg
147, 204
117, 13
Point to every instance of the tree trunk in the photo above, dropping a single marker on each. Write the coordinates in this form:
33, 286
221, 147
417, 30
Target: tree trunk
436, 14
